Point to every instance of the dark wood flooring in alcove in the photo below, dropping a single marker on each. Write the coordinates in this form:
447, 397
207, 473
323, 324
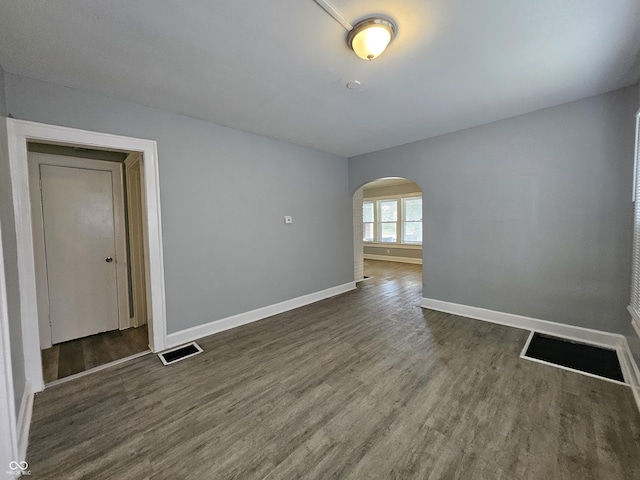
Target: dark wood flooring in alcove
77, 356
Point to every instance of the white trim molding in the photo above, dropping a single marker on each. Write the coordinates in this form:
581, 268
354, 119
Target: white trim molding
630, 369
406, 246
579, 334
391, 258
609, 340
629, 361
635, 320
24, 420
217, 326
104, 366
8, 434
19, 133
636, 326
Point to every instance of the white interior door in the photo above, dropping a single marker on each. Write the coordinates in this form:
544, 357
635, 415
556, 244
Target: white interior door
80, 251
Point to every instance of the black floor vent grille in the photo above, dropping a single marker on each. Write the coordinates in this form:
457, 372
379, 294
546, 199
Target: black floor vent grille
180, 353
590, 359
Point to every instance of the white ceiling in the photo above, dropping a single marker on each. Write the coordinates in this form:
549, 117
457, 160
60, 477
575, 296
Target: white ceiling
279, 68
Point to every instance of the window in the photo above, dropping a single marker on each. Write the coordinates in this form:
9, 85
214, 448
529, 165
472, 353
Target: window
634, 306
393, 220
388, 221
368, 221
412, 220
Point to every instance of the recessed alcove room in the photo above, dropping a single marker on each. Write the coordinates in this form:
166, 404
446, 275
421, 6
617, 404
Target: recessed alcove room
319, 239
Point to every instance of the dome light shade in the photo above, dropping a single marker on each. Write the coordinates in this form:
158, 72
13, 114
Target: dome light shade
370, 37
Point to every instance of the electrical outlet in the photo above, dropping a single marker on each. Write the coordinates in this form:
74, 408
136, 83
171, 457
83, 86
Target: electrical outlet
288, 219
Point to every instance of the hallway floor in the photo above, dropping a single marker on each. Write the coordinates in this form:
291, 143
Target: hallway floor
75, 356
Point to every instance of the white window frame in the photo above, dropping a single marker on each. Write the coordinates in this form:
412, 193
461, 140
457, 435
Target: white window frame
373, 203
399, 243
634, 304
402, 202
379, 223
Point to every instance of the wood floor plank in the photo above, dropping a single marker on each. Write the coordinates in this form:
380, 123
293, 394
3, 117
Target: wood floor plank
366, 385
50, 359
70, 359
95, 350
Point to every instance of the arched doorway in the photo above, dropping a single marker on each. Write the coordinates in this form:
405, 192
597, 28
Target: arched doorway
387, 220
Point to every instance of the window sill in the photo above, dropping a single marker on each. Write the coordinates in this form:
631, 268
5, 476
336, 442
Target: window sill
406, 246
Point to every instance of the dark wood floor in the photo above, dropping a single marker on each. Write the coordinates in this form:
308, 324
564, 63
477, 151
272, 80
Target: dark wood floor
366, 385
75, 356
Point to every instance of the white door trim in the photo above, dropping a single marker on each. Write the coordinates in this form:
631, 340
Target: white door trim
136, 235
37, 159
8, 421
19, 133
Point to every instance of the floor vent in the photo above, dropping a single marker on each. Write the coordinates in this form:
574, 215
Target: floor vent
180, 353
578, 357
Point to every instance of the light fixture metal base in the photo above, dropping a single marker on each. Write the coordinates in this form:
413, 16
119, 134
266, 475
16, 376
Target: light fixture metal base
369, 22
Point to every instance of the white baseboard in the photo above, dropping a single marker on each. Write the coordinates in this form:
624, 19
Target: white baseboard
389, 258
613, 341
217, 326
631, 365
636, 324
630, 370
24, 420
580, 334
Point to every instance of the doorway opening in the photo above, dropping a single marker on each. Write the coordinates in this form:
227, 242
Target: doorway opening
22, 133
387, 219
86, 210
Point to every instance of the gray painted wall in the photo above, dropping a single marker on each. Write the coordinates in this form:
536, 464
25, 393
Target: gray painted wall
530, 215
10, 258
223, 194
3, 100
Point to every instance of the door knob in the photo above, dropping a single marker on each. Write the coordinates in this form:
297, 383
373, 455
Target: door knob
109, 260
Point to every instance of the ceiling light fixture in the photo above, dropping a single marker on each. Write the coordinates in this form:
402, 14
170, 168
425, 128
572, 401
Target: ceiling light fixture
371, 36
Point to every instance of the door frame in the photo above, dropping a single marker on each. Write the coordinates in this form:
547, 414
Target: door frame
20, 132
42, 284
135, 237
9, 446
